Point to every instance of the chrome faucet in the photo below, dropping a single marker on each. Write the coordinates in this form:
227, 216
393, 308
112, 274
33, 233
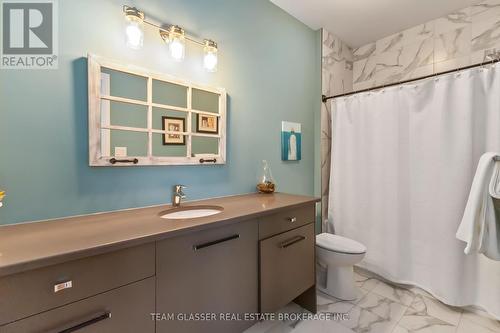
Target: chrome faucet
177, 195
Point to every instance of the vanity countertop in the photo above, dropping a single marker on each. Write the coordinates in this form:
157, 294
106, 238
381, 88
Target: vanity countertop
32, 245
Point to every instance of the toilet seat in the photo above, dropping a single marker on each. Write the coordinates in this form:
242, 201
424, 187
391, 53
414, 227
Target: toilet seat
336, 243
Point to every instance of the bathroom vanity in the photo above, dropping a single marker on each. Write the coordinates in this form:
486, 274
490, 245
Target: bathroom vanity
132, 271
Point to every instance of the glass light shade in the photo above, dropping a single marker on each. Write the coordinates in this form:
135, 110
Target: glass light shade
177, 47
134, 33
210, 59
176, 43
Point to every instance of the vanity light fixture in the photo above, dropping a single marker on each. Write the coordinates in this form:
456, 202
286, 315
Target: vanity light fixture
210, 56
173, 35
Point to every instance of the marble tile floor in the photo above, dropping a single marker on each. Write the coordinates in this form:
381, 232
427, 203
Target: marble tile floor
381, 308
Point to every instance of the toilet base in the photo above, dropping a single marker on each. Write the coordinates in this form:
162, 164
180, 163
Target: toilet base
340, 283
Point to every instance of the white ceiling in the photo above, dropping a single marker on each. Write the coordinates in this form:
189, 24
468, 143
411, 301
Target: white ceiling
359, 22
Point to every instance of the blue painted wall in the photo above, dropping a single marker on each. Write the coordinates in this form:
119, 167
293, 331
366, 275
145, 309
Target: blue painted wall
269, 64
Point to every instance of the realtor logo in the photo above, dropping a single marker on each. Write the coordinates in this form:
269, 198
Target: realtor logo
29, 34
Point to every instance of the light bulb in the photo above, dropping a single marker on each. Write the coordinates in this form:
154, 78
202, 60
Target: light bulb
176, 41
177, 49
175, 38
210, 62
210, 56
134, 31
135, 35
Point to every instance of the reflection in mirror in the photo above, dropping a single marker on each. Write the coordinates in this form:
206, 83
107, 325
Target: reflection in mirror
202, 145
169, 145
124, 114
205, 101
169, 94
125, 85
120, 143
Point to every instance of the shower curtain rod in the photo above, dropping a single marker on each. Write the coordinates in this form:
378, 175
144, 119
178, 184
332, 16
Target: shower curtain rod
326, 98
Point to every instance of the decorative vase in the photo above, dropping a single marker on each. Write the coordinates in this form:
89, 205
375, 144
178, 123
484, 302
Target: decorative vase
266, 182
2, 195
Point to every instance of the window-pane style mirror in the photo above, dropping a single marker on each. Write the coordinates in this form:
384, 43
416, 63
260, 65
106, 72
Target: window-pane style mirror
137, 117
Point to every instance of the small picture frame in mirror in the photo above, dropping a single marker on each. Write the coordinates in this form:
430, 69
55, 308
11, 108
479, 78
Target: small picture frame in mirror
207, 124
173, 124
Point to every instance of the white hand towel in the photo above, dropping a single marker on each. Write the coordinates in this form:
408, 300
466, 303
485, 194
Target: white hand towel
480, 227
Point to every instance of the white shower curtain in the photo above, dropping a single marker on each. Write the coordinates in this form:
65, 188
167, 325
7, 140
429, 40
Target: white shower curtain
403, 160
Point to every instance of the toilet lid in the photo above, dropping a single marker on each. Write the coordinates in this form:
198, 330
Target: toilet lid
339, 244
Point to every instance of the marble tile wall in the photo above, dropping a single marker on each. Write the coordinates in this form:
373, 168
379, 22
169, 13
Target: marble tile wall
459, 39
337, 62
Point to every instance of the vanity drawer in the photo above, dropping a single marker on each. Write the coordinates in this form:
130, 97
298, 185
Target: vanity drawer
31, 292
286, 220
286, 267
122, 310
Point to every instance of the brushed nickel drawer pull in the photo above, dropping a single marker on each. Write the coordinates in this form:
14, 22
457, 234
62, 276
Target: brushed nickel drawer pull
291, 241
87, 323
292, 219
222, 240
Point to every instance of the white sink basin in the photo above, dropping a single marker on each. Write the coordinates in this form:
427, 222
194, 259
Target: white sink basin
190, 212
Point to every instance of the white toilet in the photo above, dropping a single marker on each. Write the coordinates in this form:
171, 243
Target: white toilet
339, 255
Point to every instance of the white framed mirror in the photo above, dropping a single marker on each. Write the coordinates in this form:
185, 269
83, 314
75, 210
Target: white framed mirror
138, 117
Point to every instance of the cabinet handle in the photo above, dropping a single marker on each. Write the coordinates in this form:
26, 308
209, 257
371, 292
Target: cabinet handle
222, 240
87, 323
291, 241
292, 219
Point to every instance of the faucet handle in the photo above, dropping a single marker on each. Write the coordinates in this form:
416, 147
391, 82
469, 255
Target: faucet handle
178, 190
177, 195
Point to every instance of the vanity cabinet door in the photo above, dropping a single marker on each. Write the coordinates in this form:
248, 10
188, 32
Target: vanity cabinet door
286, 267
209, 272
123, 310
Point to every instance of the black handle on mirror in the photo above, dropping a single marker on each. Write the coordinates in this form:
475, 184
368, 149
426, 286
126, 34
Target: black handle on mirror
202, 160
114, 161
